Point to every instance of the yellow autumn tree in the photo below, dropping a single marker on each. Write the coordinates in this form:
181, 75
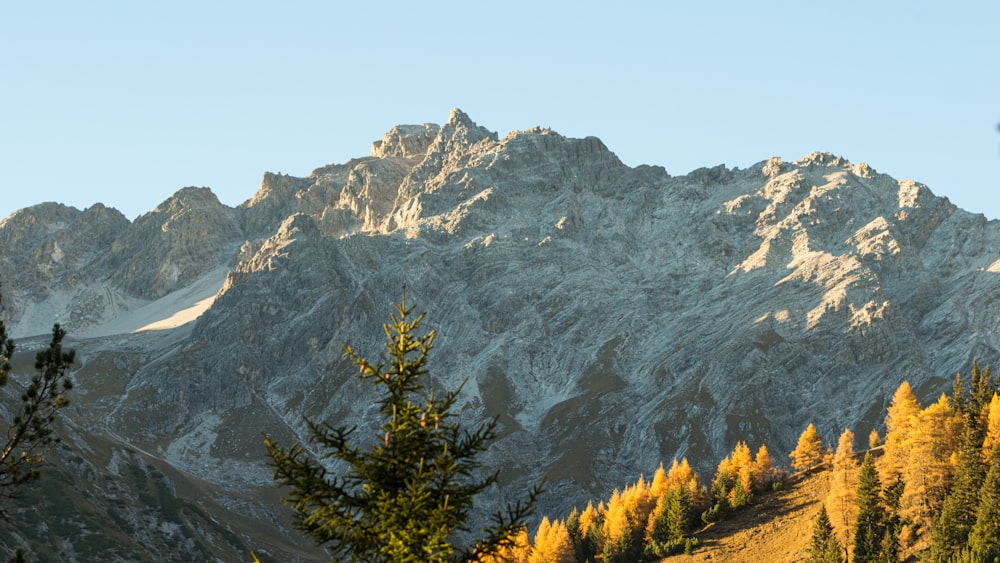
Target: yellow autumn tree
762, 470
638, 500
874, 440
639, 503
741, 464
658, 487
682, 475
552, 544
927, 473
591, 527
617, 530
516, 553
900, 420
841, 501
809, 450
992, 427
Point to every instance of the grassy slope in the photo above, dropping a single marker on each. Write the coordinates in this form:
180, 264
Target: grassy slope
776, 529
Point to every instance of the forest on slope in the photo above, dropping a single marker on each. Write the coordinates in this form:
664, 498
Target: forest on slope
929, 490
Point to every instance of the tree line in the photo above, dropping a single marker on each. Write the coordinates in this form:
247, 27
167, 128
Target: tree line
934, 491
930, 487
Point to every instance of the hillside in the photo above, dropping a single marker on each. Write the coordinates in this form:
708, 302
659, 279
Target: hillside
777, 528
611, 317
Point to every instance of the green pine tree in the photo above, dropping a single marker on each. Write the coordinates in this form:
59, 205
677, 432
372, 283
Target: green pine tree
824, 547
889, 548
672, 524
950, 533
984, 540
408, 496
30, 433
870, 528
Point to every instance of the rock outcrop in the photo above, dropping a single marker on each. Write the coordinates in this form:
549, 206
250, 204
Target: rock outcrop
611, 317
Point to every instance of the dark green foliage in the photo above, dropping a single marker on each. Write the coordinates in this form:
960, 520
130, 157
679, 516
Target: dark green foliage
984, 540
573, 529
971, 402
824, 547
672, 528
30, 433
740, 496
721, 508
406, 496
621, 551
870, 527
585, 545
950, 533
889, 547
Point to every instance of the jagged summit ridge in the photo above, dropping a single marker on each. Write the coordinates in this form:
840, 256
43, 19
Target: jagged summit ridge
611, 317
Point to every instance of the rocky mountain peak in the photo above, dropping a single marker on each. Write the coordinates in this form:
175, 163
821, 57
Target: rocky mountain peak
28, 225
610, 317
406, 141
188, 234
188, 198
460, 133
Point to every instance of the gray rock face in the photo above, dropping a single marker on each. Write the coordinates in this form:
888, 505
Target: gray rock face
168, 249
611, 317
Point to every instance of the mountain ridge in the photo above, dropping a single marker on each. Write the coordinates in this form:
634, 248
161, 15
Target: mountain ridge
611, 317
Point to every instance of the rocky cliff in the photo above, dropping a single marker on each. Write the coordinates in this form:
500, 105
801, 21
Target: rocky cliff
611, 317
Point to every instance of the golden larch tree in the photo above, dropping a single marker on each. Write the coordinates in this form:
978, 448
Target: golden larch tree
682, 475
841, 501
809, 450
762, 469
552, 544
658, 487
928, 471
992, 426
617, 531
900, 419
742, 466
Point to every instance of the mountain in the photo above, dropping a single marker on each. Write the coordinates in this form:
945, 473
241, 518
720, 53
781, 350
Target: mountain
611, 317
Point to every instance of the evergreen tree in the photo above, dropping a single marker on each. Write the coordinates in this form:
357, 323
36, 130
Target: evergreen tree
670, 524
823, 547
958, 513
984, 540
889, 548
808, 451
575, 535
590, 542
30, 433
722, 486
870, 527
405, 497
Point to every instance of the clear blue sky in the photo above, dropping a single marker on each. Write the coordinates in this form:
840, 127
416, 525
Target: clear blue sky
126, 102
